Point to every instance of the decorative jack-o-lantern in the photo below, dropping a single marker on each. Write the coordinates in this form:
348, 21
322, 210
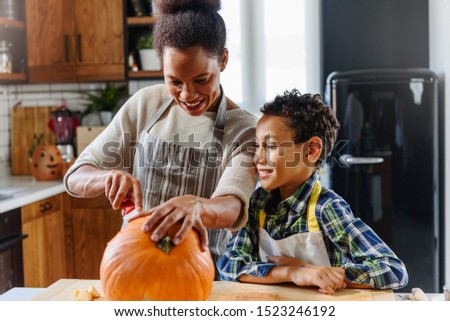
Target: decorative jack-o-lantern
47, 163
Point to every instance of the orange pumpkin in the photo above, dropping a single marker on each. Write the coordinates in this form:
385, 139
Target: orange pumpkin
47, 163
133, 268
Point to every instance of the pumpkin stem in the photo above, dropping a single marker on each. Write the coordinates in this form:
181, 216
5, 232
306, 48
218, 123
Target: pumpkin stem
165, 244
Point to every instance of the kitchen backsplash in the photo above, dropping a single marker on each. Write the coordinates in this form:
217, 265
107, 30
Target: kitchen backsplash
43, 95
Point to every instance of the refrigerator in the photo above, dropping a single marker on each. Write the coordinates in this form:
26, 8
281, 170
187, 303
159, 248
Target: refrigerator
386, 162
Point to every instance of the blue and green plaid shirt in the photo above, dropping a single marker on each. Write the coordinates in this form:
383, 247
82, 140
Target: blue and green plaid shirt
350, 243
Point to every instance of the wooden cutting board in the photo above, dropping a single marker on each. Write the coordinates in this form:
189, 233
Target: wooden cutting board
62, 290
26, 124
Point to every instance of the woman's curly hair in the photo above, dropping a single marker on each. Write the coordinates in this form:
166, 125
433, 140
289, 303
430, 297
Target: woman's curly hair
187, 23
307, 116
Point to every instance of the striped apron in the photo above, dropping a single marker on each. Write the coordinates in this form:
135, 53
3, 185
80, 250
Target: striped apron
169, 169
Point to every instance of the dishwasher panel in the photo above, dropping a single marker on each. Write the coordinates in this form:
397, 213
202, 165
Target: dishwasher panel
11, 260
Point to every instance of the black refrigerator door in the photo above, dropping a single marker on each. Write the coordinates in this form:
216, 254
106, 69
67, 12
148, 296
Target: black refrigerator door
386, 162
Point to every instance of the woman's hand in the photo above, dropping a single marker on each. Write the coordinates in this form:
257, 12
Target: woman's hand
187, 209
328, 279
120, 184
193, 212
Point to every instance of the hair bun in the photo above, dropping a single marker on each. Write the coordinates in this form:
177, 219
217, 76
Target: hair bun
174, 6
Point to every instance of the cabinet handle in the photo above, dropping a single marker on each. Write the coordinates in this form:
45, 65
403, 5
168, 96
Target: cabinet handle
66, 47
11, 240
44, 207
80, 54
347, 160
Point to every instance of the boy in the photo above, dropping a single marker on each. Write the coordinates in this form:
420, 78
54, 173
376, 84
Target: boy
297, 231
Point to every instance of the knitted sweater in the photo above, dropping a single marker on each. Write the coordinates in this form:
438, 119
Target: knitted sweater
111, 148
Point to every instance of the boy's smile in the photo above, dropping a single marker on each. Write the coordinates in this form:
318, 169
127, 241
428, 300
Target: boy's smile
280, 162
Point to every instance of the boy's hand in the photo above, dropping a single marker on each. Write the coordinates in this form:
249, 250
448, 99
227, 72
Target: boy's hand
286, 261
328, 279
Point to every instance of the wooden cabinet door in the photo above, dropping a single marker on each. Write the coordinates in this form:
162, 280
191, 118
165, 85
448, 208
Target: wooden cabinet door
99, 39
50, 30
94, 223
75, 40
44, 255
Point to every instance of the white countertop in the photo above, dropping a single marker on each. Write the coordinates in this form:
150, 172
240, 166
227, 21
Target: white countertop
26, 294
24, 190
430, 296
20, 294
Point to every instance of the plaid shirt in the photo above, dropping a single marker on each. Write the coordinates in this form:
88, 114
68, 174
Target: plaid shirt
350, 243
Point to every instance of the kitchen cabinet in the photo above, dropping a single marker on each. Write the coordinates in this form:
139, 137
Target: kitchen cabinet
12, 31
136, 26
44, 254
79, 40
66, 238
93, 223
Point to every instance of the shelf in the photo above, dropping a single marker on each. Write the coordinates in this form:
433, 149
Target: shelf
142, 74
10, 78
140, 21
5, 22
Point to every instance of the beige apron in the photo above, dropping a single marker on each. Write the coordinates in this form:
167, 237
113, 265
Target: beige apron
166, 170
309, 247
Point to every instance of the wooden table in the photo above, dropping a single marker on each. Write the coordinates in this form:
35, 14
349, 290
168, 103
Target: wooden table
62, 290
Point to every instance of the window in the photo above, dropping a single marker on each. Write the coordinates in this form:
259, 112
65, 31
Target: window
274, 46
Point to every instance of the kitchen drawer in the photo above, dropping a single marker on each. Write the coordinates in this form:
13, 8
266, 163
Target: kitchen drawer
42, 208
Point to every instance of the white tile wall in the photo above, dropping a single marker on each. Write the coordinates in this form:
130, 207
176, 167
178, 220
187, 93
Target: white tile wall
135, 85
36, 95
45, 95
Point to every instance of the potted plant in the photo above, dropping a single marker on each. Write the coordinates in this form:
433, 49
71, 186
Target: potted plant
148, 55
105, 102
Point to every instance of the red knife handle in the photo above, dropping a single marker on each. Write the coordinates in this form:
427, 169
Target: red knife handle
127, 206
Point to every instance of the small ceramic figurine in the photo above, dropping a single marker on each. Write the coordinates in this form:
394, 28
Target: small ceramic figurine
47, 163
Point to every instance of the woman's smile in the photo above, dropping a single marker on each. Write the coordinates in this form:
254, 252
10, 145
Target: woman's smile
193, 78
193, 106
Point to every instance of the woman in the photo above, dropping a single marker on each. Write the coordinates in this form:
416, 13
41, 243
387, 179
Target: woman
179, 150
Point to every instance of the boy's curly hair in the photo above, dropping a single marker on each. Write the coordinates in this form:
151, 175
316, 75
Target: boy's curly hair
307, 116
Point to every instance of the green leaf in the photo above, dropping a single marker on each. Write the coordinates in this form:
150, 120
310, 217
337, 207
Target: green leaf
108, 99
145, 41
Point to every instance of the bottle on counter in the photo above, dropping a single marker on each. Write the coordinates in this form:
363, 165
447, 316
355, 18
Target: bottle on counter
132, 65
5, 57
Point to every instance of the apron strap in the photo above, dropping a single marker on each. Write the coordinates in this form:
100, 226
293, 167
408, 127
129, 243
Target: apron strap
313, 226
155, 117
262, 218
219, 125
